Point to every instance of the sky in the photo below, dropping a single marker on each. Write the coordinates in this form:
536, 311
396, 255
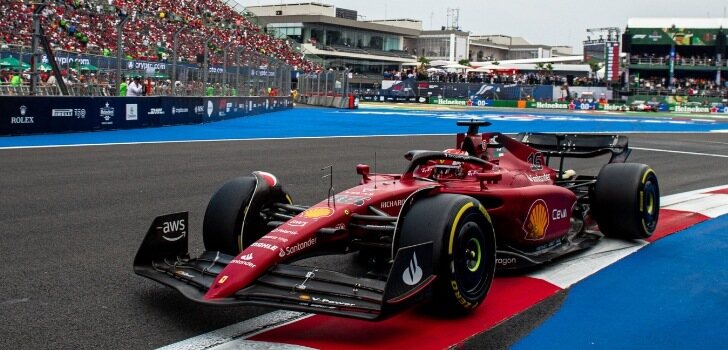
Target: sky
547, 22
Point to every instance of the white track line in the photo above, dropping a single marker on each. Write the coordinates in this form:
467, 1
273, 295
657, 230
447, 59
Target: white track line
241, 329
681, 152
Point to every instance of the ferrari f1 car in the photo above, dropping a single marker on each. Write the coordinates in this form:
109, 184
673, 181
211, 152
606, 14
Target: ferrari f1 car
439, 230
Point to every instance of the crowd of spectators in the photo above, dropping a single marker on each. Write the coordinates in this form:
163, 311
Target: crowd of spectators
687, 86
89, 26
508, 77
680, 60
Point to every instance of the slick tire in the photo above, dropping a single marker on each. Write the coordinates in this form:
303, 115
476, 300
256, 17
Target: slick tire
463, 248
627, 200
233, 216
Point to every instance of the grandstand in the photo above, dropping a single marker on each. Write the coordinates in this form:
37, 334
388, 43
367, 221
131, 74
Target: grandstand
90, 26
684, 58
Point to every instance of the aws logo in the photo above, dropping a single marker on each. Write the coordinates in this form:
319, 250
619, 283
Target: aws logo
537, 220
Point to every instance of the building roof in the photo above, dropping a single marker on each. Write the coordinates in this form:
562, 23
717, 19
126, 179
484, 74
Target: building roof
678, 22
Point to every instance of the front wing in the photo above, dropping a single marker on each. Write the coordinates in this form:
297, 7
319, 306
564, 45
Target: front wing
285, 286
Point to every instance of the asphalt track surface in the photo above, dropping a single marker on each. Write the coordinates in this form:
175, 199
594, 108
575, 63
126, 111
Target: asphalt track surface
71, 220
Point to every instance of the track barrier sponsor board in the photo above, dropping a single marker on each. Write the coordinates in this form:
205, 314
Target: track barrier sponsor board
51, 114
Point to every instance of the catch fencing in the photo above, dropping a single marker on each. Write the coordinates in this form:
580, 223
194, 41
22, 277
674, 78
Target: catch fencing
327, 89
237, 71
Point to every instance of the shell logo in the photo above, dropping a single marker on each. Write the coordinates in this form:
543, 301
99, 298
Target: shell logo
537, 220
315, 213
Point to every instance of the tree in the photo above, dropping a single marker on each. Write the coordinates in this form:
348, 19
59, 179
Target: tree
464, 62
549, 68
424, 61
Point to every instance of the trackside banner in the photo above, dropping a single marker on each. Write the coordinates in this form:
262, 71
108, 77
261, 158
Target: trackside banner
450, 101
52, 114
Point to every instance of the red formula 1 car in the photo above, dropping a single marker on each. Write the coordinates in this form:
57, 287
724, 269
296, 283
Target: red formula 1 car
438, 230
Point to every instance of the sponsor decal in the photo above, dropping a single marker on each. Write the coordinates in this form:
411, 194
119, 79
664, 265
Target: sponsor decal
177, 229
200, 110
548, 245
296, 223
332, 302
391, 204
304, 297
281, 230
349, 199
655, 36
107, 113
247, 257
539, 178
558, 214
270, 247
459, 297
553, 105
244, 263
176, 110
505, 261
228, 106
451, 102
23, 119
222, 280
276, 238
145, 65
156, 111
413, 273
64, 112
537, 220
692, 109
297, 247
66, 60
320, 212
184, 274
614, 107
209, 108
132, 111
221, 108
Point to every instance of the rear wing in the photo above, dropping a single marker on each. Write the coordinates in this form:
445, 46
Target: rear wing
578, 145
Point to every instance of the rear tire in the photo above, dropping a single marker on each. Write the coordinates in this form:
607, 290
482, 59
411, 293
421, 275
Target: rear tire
627, 200
226, 227
463, 249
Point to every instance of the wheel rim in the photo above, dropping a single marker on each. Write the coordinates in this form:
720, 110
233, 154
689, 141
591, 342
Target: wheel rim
468, 265
650, 206
473, 254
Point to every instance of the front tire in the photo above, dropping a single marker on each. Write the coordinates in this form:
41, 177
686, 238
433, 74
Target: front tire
233, 216
463, 249
627, 200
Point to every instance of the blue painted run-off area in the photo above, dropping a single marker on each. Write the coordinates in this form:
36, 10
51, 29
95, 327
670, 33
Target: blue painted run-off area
321, 122
672, 294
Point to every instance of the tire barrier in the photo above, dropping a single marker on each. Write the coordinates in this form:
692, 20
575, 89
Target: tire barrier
52, 114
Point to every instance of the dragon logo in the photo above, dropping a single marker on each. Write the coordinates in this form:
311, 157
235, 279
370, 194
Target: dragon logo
537, 220
412, 274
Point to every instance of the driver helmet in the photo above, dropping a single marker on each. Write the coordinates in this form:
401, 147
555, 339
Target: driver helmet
449, 168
